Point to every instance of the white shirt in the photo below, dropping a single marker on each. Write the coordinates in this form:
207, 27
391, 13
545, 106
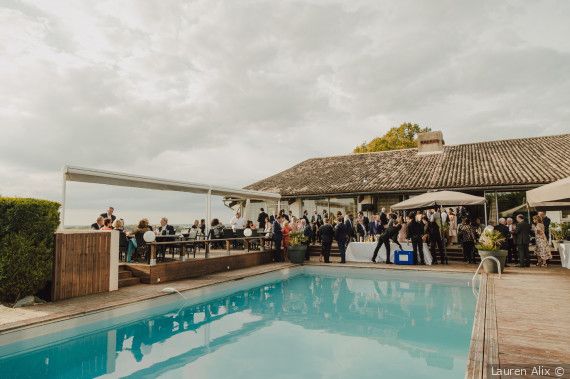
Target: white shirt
444, 217
237, 223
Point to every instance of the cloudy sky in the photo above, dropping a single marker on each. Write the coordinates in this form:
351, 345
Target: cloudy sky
229, 92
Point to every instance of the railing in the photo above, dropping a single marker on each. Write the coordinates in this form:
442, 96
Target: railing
263, 244
476, 294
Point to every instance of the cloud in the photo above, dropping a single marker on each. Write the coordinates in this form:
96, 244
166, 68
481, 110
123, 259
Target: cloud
231, 92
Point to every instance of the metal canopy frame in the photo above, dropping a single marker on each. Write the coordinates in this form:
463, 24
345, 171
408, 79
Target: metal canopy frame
89, 175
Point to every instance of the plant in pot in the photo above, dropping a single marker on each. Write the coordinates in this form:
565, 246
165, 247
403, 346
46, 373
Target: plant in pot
557, 233
490, 246
297, 247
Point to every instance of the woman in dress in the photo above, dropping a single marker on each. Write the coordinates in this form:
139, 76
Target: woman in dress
542, 250
403, 233
286, 231
452, 227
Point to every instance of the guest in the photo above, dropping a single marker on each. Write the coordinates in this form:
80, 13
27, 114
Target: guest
308, 233
383, 217
361, 229
511, 247
216, 230
262, 218
415, 234
237, 221
390, 234
341, 234
376, 226
391, 219
293, 225
250, 225
522, 240
164, 229
286, 239
267, 226
107, 224
305, 217
123, 239
365, 220
138, 241
326, 233
98, 224
149, 226
277, 237
467, 235
109, 214
434, 236
350, 230
203, 227
542, 250
403, 233
546, 223
452, 227
502, 228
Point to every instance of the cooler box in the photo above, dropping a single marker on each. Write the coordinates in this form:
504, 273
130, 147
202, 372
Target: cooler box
402, 257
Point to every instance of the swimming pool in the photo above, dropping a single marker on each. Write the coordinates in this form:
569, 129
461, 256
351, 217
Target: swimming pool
306, 322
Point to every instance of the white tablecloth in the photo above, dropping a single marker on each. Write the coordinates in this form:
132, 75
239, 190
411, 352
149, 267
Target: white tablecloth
564, 250
363, 251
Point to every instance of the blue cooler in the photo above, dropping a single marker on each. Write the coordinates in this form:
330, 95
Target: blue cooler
402, 257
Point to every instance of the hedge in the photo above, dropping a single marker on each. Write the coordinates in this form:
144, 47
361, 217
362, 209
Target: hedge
27, 229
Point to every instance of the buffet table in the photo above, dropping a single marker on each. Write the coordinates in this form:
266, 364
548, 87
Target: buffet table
564, 250
363, 251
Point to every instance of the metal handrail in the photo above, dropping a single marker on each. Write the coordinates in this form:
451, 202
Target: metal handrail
476, 294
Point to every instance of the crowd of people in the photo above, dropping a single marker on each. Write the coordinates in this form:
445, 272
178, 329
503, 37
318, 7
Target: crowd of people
435, 227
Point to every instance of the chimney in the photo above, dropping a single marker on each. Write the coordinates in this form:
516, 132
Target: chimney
430, 142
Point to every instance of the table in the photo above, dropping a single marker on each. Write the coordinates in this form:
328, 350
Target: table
564, 250
363, 251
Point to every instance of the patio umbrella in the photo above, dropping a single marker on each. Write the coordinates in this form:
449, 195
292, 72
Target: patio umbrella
439, 198
555, 195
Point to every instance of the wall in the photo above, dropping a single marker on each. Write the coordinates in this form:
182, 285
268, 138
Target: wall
85, 263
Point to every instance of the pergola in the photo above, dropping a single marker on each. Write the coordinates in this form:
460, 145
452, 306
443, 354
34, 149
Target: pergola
89, 175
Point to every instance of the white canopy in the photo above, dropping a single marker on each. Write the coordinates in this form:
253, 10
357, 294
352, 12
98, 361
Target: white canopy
89, 175
439, 198
553, 195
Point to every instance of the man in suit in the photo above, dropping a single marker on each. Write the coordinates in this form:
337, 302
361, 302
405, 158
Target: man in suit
375, 227
365, 220
308, 233
341, 236
277, 237
522, 240
326, 232
349, 222
165, 229
383, 217
98, 224
109, 214
415, 234
261, 218
390, 234
434, 236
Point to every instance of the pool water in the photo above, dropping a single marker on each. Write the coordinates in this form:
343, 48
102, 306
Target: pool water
311, 323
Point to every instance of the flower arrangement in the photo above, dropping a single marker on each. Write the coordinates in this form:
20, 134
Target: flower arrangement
490, 240
297, 238
559, 231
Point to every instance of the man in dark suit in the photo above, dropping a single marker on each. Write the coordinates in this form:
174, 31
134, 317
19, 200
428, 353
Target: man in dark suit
415, 234
341, 236
383, 217
365, 220
375, 227
390, 234
308, 233
522, 240
261, 218
165, 229
109, 214
277, 237
326, 232
98, 224
350, 230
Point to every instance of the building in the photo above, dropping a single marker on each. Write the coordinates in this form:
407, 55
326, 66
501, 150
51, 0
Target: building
501, 170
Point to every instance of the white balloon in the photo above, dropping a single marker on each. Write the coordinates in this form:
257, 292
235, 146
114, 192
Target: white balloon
149, 236
247, 232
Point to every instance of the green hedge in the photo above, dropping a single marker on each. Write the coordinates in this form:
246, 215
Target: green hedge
26, 245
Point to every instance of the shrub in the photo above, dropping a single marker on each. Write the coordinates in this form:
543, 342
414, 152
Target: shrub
27, 227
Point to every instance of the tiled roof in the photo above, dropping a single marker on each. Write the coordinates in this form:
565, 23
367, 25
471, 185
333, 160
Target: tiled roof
506, 163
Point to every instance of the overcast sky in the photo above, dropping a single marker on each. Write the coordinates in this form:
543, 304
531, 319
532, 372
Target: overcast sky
229, 92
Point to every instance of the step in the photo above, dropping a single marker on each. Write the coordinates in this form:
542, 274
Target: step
126, 282
124, 274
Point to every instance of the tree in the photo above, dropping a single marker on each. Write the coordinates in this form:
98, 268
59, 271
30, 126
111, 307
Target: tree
399, 137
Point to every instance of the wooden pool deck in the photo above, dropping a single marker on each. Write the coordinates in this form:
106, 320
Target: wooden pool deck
520, 318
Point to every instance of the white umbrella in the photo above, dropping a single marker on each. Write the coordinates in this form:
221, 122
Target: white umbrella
553, 195
439, 198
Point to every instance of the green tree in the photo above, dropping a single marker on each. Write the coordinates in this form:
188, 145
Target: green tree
399, 137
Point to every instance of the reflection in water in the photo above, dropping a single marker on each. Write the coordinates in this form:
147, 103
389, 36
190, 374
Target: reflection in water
429, 321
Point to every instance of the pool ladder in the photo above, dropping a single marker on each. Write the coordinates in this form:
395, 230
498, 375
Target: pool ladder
476, 293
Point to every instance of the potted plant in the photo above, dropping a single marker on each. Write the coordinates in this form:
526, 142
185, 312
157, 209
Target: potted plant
557, 234
297, 247
490, 246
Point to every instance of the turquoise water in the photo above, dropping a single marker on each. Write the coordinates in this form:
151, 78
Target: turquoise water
350, 324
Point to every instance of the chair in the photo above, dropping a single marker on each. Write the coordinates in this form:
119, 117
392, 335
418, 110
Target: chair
123, 245
142, 251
